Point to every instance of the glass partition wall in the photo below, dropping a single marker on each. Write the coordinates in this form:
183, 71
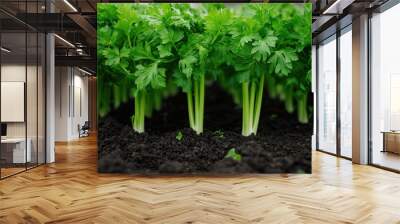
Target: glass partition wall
327, 95
334, 101
385, 89
13, 111
334, 87
22, 78
345, 91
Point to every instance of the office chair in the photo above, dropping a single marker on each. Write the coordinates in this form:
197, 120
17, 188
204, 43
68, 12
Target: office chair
84, 130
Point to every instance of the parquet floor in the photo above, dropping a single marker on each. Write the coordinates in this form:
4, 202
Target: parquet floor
10, 171
71, 191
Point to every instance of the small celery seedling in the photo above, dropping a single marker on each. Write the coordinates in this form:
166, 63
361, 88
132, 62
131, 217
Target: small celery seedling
234, 155
179, 136
219, 133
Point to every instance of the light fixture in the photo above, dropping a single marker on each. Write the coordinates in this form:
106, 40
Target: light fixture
337, 7
65, 41
70, 5
80, 51
5, 50
84, 71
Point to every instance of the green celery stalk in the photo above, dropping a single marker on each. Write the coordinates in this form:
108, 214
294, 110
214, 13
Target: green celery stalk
258, 105
245, 121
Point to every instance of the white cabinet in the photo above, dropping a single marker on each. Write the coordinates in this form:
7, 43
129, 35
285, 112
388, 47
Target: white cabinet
19, 155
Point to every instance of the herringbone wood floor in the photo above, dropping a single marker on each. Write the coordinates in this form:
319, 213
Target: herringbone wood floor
71, 191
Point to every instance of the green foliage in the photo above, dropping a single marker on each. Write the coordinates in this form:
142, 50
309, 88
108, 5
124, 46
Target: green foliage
292, 79
179, 136
234, 155
147, 51
219, 134
137, 51
149, 75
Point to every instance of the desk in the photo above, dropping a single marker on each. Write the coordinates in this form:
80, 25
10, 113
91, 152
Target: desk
391, 141
18, 149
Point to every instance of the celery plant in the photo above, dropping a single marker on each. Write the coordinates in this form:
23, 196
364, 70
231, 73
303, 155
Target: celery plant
201, 56
138, 47
145, 51
252, 42
292, 76
190, 76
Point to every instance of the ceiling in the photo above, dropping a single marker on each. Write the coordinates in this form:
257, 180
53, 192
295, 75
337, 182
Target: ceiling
331, 15
73, 21
19, 54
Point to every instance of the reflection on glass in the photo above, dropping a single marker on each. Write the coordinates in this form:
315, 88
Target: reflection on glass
385, 114
346, 94
15, 150
23, 91
327, 96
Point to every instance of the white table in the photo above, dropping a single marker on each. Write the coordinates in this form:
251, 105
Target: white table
19, 154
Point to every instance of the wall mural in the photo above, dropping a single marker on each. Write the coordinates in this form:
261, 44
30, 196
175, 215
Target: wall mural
204, 88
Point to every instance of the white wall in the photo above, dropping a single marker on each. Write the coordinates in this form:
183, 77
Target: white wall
80, 96
16, 72
71, 87
62, 82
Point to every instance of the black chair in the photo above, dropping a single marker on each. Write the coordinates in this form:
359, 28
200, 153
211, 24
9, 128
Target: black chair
84, 130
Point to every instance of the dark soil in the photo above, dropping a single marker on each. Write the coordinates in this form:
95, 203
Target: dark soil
282, 145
